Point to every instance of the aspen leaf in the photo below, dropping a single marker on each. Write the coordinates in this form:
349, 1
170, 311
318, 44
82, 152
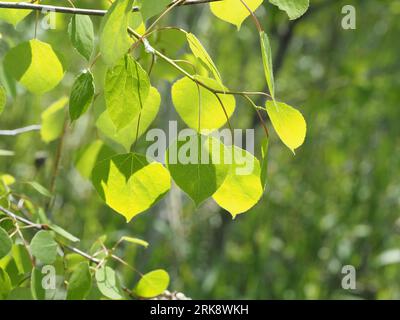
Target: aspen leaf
188, 98
129, 184
294, 8
150, 8
233, 11
53, 120
202, 172
13, 16
35, 65
152, 284
242, 187
288, 123
108, 283
5, 243
80, 283
80, 30
44, 247
82, 94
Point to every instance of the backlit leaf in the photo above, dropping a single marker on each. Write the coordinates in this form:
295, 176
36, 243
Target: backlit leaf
150, 8
152, 284
53, 120
82, 94
80, 30
267, 62
13, 16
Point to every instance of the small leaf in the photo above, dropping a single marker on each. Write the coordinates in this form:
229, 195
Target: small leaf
188, 101
242, 187
288, 123
108, 283
129, 184
44, 247
150, 8
197, 166
3, 99
39, 188
63, 233
82, 95
5, 243
127, 136
53, 120
13, 16
126, 89
201, 53
152, 284
294, 8
80, 30
80, 282
114, 40
233, 11
35, 65
135, 241
267, 62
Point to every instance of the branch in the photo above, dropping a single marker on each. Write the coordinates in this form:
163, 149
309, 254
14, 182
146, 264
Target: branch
71, 10
18, 131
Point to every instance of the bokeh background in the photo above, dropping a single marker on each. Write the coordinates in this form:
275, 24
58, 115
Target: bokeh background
335, 203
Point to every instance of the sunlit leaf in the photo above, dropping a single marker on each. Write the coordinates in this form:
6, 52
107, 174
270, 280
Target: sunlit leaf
13, 16
152, 284
267, 62
135, 241
82, 94
80, 30
53, 120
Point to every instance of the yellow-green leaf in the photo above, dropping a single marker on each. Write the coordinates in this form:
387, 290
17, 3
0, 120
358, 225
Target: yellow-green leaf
267, 62
233, 11
288, 123
188, 98
53, 120
129, 184
242, 187
152, 284
13, 16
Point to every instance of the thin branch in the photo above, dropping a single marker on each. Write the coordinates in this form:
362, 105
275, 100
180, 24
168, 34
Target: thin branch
15, 132
71, 10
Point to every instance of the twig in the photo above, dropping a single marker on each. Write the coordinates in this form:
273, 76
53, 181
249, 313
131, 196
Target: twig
15, 132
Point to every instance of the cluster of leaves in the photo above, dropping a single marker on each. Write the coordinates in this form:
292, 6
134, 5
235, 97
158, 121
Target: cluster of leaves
128, 182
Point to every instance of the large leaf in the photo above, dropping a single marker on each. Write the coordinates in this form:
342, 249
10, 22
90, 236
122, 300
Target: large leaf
5, 243
129, 184
44, 247
53, 120
293, 8
242, 187
152, 284
35, 65
188, 98
80, 30
82, 94
233, 11
197, 166
80, 282
13, 16
267, 62
108, 283
127, 136
150, 8
288, 123
126, 89
200, 52
114, 40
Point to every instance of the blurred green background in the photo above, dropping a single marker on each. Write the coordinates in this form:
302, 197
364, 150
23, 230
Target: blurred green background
335, 203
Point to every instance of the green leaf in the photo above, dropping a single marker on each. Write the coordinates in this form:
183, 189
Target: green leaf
200, 173
53, 120
80, 30
150, 8
201, 53
242, 187
129, 184
35, 65
108, 283
21, 258
20, 294
13, 16
39, 188
294, 8
135, 241
127, 136
188, 98
44, 247
152, 284
288, 123
80, 282
5, 243
267, 62
3, 99
233, 11
264, 161
63, 233
82, 95
114, 40
5, 284
37, 290
92, 154
126, 89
